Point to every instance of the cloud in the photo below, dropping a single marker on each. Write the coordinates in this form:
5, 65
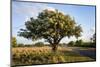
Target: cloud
26, 9
29, 9
23, 40
49, 8
93, 29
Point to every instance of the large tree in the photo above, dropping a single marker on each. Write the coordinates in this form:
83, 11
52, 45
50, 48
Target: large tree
53, 26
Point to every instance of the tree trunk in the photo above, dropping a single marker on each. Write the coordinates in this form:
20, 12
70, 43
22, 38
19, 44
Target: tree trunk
54, 43
54, 47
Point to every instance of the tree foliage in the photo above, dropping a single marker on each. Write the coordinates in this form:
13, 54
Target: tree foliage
71, 43
79, 42
39, 44
14, 42
52, 26
94, 38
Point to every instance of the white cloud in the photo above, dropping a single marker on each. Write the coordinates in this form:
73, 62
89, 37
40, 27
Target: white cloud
23, 40
29, 9
66, 39
49, 8
93, 30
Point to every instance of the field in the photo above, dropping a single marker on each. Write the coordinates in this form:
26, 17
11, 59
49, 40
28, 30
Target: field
44, 55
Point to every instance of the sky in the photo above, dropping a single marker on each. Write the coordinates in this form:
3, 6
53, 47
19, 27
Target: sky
83, 15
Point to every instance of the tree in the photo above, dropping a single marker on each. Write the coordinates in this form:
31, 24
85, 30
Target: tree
71, 43
94, 38
53, 26
39, 44
79, 42
14, 42
20, 45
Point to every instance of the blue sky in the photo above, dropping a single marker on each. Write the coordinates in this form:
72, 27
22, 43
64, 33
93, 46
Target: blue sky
22, 11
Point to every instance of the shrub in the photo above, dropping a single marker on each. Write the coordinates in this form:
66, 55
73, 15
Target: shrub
71, 43
39, 44
14, 42
79, 43
20, 45
85, 44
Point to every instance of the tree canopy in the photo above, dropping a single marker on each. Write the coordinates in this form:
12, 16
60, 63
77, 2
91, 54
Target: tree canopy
52, 26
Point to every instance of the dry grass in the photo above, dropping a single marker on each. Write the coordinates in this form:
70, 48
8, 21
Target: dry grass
37, 49
44, 55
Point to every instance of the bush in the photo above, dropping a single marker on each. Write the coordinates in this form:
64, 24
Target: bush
20, 45
39, 44
89, 44
79, 43
71, 43
14, 42
86, 44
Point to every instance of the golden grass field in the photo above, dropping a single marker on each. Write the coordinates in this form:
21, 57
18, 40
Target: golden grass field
44, 55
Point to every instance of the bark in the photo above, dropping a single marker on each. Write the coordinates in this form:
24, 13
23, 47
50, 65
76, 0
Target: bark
54, 47
54, 43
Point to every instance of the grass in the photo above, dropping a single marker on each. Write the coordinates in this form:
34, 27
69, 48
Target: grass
44, 55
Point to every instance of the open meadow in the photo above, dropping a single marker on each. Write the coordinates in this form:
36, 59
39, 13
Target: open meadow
44, 55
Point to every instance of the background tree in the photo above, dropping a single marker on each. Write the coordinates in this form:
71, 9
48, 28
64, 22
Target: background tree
20, 45
52, 26
94, 38
39, 44
79, 42
71, 43
14, 42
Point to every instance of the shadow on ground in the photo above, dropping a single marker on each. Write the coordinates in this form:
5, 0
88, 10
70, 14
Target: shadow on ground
89, 52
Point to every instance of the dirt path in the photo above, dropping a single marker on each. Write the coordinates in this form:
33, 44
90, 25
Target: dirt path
89, 52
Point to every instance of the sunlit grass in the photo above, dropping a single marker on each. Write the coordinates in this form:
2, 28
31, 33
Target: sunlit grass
44, 55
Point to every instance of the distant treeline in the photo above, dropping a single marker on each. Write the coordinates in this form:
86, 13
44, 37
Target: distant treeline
80, 43
38, 44
77, 43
